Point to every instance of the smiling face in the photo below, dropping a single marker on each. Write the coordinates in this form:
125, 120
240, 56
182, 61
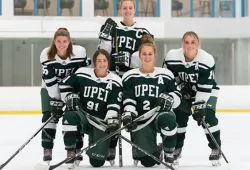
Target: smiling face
147, 55
127, 9
190, 45
101, 65
61, 43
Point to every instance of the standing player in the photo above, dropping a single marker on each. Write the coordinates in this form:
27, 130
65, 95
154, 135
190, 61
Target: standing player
122, 41
100, 95
143, 89
194, 71
58, 61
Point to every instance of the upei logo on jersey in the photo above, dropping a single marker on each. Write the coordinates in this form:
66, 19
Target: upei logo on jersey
192, 78
145, 89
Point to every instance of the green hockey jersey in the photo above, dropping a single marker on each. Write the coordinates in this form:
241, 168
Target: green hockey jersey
100, 97
196, 78
140, 91
126, 39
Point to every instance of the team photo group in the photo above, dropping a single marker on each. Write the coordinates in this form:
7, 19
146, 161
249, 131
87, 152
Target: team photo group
119, 88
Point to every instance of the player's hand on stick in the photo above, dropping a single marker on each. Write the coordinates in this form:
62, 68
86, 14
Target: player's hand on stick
127, 119
198, 111
72, 101
122, 59
164, 102
108, 30
112, 125
56, 107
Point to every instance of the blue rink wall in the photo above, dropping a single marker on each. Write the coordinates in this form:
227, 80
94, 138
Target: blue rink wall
27, 100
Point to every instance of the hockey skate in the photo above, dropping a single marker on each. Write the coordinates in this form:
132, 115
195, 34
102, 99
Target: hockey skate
169, 158
47, 155
135, 156
70, 163
177, 156
215, 157
78, 159
111, 156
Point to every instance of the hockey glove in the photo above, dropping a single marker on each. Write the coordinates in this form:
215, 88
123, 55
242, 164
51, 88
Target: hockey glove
122, 59
112, 125
107, 30
72, 101
164, 102
56, 107
127, 119
198, 111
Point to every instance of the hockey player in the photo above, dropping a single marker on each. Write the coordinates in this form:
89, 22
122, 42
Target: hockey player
58, 61
194, 69
100, 95
143, 89
122, 41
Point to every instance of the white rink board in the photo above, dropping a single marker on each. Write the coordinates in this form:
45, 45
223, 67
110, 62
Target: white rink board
28, 98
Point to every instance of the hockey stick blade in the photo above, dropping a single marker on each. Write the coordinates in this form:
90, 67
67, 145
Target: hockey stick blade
26, 143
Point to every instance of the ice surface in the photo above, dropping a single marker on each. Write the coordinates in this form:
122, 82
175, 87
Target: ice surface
235, 134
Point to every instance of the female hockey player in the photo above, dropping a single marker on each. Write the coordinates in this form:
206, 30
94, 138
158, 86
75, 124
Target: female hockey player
193, 69
145, 88
122, 41
58, 61
100, 95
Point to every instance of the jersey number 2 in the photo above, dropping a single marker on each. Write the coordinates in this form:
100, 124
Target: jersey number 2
146, 105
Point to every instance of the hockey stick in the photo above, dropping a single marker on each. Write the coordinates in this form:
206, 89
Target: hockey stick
117, 70
120, 143
147, 153
130, 142
28, 141
41, 166
212, 137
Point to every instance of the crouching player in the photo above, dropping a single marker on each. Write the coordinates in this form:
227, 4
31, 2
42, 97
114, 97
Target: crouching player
99, 93
143, 89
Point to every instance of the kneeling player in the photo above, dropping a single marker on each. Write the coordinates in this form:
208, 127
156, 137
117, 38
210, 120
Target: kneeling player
194, 70
143, 89
99, 94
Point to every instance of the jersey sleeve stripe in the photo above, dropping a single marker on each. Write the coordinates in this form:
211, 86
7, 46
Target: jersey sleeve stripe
113, 106
50, 80
131, 108
129, 101
205, 86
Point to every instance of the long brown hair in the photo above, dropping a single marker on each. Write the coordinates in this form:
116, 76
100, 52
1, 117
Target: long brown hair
103, 52
52, 49
147, 40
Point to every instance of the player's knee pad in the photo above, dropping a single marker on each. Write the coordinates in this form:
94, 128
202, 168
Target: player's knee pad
148, 161
166, 119
96, 162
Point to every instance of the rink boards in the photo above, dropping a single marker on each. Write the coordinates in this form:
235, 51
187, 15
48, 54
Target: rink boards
26, 100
